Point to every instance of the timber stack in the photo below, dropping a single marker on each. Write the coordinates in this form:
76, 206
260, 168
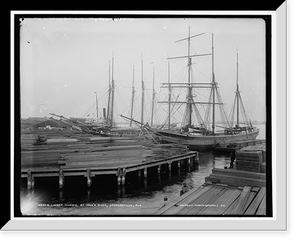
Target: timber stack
251, 158
60, 154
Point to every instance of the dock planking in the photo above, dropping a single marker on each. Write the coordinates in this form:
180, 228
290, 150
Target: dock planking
91, 156
217, 200
236, 199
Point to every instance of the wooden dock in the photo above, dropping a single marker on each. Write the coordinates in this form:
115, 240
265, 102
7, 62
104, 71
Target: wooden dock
91, 156
233, 147
244, 194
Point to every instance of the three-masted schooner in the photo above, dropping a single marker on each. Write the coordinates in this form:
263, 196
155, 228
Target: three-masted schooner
203, 135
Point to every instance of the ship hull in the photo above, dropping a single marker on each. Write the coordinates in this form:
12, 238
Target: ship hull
200, 142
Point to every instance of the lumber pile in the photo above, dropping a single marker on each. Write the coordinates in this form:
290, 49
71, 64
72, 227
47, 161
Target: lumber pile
61, 149
164, 151
251, 158
236, 178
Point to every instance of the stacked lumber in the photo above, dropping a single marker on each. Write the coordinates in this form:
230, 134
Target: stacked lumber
258, 147
164, 151
249, 160
237, 178
65, 150
252, 158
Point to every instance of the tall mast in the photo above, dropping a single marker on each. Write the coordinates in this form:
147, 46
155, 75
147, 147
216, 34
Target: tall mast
189, 98
143, 94
97, 105
109, 94
169, 107
153, 98
132, 98
112, 92
237, 90
189, 85
213, 86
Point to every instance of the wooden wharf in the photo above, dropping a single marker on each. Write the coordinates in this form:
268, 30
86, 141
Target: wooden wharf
240, 190
91, 156
233, 147
244, 194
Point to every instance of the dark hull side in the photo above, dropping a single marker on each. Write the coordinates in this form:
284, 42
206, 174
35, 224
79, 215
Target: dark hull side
204, 142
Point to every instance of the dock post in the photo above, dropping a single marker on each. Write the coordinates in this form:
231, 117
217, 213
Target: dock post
178, 167
158, 173
30, 180
170, 169
119, 175
189, 164
88, 196
139, 176
145, 177
61, 179
119, 182
197, 157
123, 179
88, 177
61, 194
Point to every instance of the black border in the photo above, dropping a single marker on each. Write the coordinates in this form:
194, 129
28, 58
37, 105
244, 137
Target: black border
267, 19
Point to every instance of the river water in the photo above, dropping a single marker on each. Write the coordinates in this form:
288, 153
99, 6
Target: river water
77, 200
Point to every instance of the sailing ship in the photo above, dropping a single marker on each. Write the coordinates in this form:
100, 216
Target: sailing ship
203, 133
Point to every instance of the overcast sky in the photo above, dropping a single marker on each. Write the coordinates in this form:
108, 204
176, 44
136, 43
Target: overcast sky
65, 61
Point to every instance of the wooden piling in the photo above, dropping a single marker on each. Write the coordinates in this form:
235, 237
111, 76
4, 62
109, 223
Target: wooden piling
119, 180
61, 179
139, 175
189, 165
88, 178
123, 177
158, 173
170, 169
145, 178
30, 183
61, 195
178, 168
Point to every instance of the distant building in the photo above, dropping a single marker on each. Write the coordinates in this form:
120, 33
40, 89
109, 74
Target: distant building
53, 124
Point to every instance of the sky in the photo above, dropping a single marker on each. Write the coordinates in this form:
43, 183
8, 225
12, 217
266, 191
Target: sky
65, 63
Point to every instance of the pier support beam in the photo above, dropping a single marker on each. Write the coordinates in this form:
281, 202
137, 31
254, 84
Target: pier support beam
145, 178
139, 176
158, 173
121, 177
178, 168
189, 164
197, 158
61, 179
30, 180
170, 169
88, 178
61, 195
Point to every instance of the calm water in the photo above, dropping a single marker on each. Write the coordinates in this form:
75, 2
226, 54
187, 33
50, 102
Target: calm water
46, 199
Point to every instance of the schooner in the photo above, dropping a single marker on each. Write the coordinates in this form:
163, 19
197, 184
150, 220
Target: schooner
203, 134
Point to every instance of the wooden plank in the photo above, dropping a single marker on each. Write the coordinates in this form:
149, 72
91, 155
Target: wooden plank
177, 201
241, 202
186, 206
262, 207
238, 173
235, 181
186, 198
200, 204
226, 200
256, 202
202, 199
